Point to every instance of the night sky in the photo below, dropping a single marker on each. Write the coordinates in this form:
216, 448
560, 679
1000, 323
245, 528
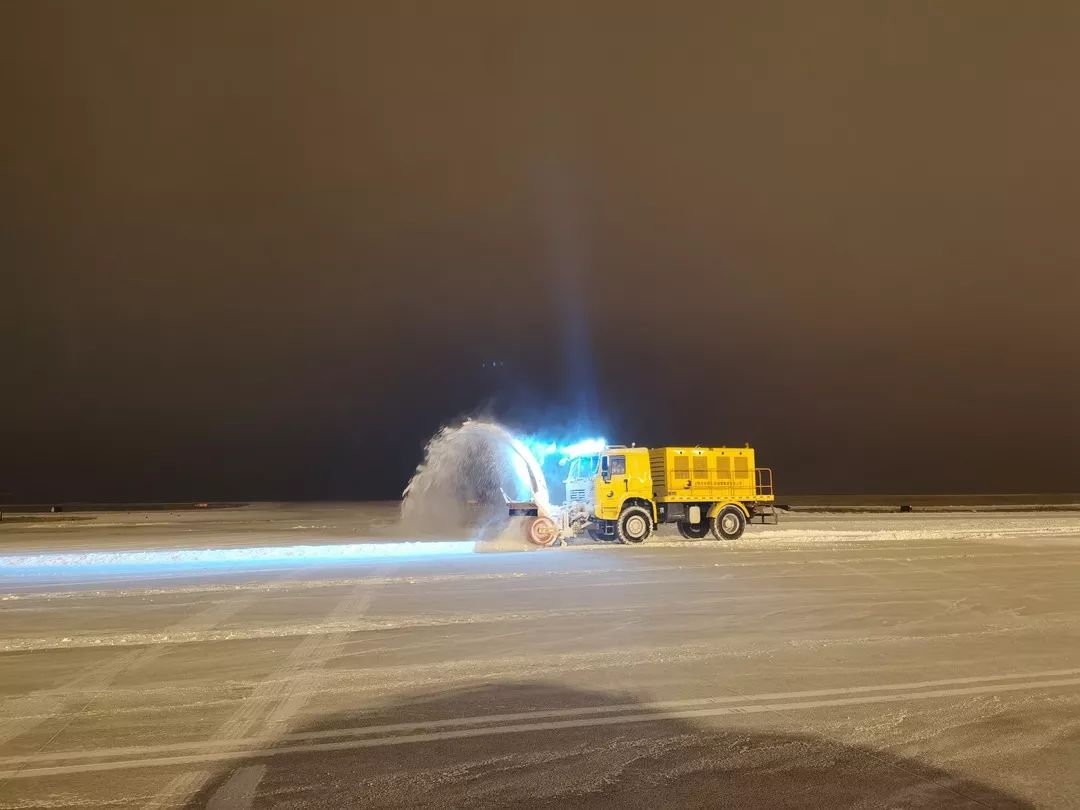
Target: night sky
264, 250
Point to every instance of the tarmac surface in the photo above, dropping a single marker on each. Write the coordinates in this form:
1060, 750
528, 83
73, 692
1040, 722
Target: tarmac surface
914, 660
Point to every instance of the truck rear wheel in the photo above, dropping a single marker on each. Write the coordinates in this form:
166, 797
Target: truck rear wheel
729, 523
693, 531
634, 526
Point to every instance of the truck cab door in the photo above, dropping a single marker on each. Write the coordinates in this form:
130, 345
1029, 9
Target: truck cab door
616, 485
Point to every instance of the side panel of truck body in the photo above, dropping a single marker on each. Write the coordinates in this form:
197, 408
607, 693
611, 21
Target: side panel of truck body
704, 474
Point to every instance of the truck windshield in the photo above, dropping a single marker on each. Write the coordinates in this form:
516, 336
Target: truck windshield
583, 467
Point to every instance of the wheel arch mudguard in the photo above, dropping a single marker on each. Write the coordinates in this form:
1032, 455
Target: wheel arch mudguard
717, 507
644, 503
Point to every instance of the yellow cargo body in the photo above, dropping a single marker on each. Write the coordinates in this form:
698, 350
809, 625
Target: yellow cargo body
716, 474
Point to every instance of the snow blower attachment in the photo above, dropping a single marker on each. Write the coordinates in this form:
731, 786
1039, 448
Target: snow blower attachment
624, 493
540, 529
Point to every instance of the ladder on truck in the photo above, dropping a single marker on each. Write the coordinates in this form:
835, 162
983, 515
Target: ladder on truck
764, 513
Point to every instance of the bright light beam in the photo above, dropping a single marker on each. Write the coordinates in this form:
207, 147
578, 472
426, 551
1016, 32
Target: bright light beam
541, 449
585, 447
166, 559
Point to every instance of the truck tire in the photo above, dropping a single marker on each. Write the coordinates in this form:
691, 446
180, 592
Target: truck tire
729, 523
634, 525
693, 531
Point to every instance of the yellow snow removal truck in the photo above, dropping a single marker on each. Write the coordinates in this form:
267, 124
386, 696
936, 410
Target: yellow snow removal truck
624, 493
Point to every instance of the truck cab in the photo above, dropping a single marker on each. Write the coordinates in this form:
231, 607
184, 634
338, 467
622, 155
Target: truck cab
599, 488
623, 477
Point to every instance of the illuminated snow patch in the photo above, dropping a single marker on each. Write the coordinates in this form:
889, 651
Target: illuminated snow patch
186, 557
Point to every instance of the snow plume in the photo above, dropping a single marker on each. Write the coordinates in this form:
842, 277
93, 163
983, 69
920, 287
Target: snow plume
468, 473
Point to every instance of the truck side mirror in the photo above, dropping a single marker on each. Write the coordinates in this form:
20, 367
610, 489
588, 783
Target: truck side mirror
605, 469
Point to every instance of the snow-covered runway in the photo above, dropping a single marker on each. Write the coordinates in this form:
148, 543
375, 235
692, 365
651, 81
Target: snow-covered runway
855, 660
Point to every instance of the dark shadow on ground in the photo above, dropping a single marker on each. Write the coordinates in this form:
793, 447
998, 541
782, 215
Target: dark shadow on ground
654, 764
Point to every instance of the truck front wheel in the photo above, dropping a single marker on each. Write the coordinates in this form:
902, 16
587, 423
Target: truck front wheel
729, 523
634, 526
